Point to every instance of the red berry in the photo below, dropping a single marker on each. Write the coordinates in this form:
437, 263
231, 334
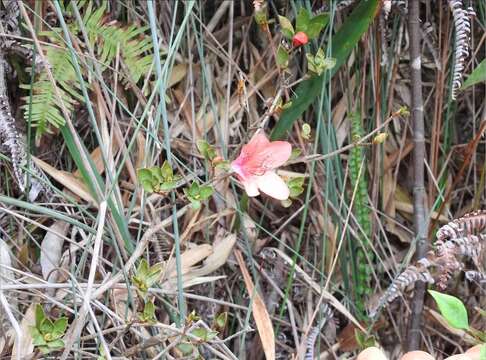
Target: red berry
300, 39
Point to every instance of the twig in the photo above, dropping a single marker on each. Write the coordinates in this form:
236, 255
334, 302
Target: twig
419, 195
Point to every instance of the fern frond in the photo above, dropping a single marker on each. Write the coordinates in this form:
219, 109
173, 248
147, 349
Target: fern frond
45, 111
134, 47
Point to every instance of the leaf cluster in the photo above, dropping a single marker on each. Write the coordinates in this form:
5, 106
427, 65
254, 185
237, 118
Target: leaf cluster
158, 179
47, 334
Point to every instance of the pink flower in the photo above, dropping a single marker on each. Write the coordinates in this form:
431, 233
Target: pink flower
255, 167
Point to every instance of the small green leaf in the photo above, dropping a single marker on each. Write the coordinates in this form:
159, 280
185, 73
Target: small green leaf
168, 185
56, 344
202, 146
303, 20
452, 309
46, 326
286, 25
196, 204
478, 75
306, 131
185, 348
144, 175
295, 153
194, 189
220, 321
60, 325
295, 191
143, 269
205, 192
147, 186
296, 182
39, 316
282, 57
167, 171
201, 333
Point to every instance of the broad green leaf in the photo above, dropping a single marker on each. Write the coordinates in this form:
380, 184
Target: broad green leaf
286, 25
477, 76
282, 57
452, 309
201, 333
343, 42
303, 20
316, 24
147, 185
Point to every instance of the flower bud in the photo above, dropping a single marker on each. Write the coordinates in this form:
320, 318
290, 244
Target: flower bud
300, 39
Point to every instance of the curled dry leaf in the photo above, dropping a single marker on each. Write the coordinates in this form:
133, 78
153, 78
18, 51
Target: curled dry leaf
71, 182
260, 313
51, 250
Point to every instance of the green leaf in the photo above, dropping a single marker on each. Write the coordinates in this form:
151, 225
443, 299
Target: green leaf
167, 171
39, 316
452, 309
144, 174
282, 57
149, 311
60, 325
196, 204
286, 25
56, 344
168, 185
316, 24
194, 189
205, 192
46, 326
201, 333
143, 269
296, 182
303, 20
477, 76
220, 321
202, 146
343, 42
185, 348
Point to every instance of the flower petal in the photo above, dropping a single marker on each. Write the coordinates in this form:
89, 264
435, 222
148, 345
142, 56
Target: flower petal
251, 186
273, 185
270, 157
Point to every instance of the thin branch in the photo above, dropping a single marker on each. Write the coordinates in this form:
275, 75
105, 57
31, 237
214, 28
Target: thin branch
419, 195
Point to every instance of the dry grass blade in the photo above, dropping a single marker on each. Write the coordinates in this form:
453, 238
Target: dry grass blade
260, 313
